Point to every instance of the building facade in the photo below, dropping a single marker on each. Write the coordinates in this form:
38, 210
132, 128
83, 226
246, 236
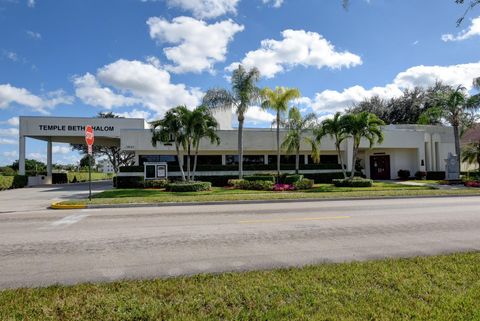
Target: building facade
409, 147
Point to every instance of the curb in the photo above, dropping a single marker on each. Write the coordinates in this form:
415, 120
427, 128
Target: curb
306, 200
58, 206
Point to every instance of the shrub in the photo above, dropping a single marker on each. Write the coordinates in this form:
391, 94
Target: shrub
472, 184
156, 183
129, 182
438, 176
17, 181
283, 187
304, 184
59, 178
403, 174
181, 187
256, 185
7, 171
256, 178
420, 175
292, 179
354, 182
234, 182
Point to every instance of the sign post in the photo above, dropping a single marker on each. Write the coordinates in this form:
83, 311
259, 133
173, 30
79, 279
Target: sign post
89, 139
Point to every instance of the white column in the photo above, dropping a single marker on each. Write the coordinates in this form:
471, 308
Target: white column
224, 159
305, 159
49, 157
21, 159
265, 159
348, 154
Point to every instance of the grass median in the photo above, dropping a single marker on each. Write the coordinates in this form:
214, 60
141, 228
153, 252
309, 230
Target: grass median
321, 191
429, 288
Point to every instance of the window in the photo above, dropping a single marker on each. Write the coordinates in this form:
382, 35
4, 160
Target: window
325, 159
284, 159
169, 159
206, 159
150, 171
247, 159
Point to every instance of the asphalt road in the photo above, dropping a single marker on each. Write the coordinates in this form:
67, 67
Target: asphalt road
45, 247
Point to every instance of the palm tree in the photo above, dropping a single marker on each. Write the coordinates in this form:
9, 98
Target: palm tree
204, 126
471, 154
456, 108
244, 93
362, 125
297, 127
277, 100
334, 128
170, 129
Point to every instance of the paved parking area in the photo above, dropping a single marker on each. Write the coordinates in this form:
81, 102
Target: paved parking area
40, 197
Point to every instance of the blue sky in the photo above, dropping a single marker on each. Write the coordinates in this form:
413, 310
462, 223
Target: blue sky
139, 58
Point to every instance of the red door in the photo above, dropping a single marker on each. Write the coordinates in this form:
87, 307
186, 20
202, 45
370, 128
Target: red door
380, 167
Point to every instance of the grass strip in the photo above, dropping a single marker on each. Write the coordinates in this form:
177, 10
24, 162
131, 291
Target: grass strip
429, 288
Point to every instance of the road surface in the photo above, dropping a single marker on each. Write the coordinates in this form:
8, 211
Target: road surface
44, 247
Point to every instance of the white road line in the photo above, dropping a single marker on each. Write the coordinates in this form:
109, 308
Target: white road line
69, 220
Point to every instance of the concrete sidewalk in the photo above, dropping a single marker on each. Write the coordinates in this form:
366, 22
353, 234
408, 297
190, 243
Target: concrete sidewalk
41, 197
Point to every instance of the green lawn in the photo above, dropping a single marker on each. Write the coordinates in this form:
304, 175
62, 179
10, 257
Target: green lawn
431, 288
321, 191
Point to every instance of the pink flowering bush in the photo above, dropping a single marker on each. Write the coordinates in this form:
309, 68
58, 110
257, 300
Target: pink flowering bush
472, 184
283, 187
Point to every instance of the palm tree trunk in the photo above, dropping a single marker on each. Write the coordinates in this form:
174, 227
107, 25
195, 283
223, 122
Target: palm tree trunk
188, 162
240, 146
457, 146
340, 159
180, 161
278, 147
297, 161
354, 158
195, 160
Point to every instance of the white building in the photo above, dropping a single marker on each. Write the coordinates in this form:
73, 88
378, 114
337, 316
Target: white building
411, 147
105, 166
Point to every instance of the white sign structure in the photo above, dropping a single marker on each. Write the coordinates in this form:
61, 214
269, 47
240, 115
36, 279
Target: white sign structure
155, 170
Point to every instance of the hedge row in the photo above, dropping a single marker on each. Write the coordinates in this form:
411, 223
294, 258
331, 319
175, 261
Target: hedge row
17, 181
355, 182
74, 177
224, 168
182, 187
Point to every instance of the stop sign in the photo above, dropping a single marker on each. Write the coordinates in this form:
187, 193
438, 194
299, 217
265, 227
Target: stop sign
89, 136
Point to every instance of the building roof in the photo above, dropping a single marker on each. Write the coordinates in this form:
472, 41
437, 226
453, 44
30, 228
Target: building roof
472, 135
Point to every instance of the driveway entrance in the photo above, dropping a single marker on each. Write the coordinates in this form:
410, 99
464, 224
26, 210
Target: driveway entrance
40, 197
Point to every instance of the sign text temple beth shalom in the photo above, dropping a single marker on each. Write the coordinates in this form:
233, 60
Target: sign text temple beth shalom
73, 128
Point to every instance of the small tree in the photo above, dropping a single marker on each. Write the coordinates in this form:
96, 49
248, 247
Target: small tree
277, 100
471, 154
456, 108
297, 127
114, 154
85, 161
244, 93
170, 129
333, 127
362, 126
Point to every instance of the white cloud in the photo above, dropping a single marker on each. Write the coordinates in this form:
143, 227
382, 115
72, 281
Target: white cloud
10, 155
136, 83
206, 9
14, 121
298, 47
256, 115
420, 76
136, 114
275, 3
10, 55
7, 141
34, 35
10, 132
472, 31
21, 96
89, 90
37, 156
198, 45
61, 149
31, 3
